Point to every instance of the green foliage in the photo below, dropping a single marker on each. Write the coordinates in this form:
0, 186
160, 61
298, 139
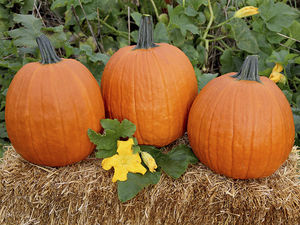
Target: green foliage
173, 163
26, 35
135, 183
113, 130
205, 30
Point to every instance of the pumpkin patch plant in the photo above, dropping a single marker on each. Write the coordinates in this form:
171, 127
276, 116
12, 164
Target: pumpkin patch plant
136, 166
49, 107
241, 124
152, 85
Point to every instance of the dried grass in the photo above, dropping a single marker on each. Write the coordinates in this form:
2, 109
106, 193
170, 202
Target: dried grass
84, 194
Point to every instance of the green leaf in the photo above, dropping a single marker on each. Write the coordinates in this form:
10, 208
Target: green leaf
197, 3
107, 141
136, 149
56, 35
230, 62
296, 114
294, 30
126, 129
176, 37
243, 36
28, 6
3, 132
136, 17
59, 3
288, 94
160, 33
189, 11
93, 57
105, 154
135, 183
123, 129
191, 53
25, 36
283, 57
277, 16
175, 162
109, 124
204, 78
192, 28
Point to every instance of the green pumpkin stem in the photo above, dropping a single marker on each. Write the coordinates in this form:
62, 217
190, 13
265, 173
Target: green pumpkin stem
145, 39
47, 51
249, 69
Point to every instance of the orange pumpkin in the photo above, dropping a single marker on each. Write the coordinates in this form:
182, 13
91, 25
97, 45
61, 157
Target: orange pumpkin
152, 85
49, 107
241, 125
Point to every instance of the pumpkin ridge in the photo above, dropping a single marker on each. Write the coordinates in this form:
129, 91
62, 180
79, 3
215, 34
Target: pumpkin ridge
233, 133
284, 113
43, 133
85, 93
151, 79
17, 102
203, 113
111, 83
73, 104
58, 108
281, 123
174, 51
165, 88
252, 137
37, 155
271, 137
181, 107
134, 97
216, 101
235, 92
108, 88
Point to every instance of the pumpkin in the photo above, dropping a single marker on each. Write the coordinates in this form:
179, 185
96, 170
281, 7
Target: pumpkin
152, 85
49, 107
241, 125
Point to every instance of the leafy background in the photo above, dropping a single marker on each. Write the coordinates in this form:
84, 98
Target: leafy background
215, 42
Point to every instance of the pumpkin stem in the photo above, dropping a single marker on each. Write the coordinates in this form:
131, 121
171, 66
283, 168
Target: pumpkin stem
47, 51
249, 69
145, 39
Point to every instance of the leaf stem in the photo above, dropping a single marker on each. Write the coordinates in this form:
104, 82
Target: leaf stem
219, 48
210, 20
90, 27
121, 33
297, 79
155, 9
221, 24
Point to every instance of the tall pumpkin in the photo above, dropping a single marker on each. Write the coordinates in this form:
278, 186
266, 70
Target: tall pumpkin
241, 125
49, 107
152, 85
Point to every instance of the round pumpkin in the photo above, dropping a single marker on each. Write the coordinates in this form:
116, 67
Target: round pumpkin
49, 107
152, 85
241, 124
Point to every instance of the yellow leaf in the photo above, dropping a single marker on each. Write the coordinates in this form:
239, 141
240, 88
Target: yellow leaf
277, 68
149, 161
277, 77
246, 11
124, 162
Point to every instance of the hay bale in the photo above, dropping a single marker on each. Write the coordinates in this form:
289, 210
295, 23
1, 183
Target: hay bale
84, 194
